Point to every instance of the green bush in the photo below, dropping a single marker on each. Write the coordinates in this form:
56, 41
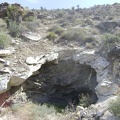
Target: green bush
32, 25
51, 36
75, 35
114, 107
57, 29
3, 25
33, 111
108, 41
13, 12
29, 18
84, 100
60, 14
5, 40
14, 29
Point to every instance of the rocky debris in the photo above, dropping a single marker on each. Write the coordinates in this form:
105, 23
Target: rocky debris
31, 36
6, 52
6, 62
96, 112
114, 53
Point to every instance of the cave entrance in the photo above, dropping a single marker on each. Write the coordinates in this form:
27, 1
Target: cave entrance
64, 84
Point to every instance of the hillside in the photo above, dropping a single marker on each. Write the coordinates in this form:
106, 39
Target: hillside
59, 64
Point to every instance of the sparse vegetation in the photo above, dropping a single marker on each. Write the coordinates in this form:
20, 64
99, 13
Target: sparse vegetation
33, 111
84, 100
13, 13
5, 40
108, 41
14, 29
114, 107
29, 18
57, 29
75, 35
51, 36
32, 25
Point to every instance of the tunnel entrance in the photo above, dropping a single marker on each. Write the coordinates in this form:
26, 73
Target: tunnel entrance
64, 84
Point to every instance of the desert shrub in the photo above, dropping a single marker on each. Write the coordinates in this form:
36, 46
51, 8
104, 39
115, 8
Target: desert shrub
4, 40
57, 29
114, 107
51, 36
84, 100
3, 25
89, 45
74, 35
89, 22
90, 42
13, 12
108, 41
94, 31
14, 29
60, 14
29, 18
33, 111
33, 25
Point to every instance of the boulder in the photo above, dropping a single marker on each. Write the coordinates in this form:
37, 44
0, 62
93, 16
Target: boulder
10, 77
114, 53
106, 87
31, 36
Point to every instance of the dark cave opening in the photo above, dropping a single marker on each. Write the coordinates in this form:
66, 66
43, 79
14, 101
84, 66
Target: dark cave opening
65, 84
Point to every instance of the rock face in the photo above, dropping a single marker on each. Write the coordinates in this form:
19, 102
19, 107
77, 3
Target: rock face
75, 73
114, 53
65, 80
15, 77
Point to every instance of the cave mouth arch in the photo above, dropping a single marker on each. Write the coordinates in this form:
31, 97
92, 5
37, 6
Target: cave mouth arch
62, 84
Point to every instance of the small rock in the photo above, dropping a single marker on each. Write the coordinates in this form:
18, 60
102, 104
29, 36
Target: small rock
79, 108
7, 63
6, 52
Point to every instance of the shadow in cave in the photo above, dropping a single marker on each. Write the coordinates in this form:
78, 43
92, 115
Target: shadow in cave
66, 84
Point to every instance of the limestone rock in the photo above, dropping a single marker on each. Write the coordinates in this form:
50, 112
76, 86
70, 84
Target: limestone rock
4, 53
4, 80
34, 60
106, 87
109, 116
19, 78
31, 36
